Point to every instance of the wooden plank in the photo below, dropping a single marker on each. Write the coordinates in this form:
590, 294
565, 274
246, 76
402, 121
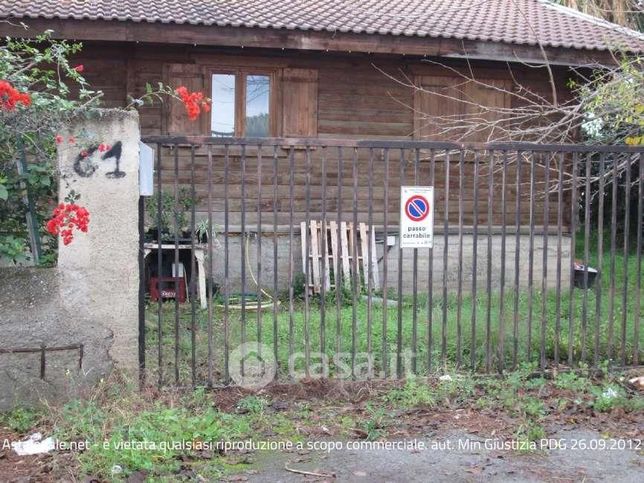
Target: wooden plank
374, 258
324, 231
364, 240
305, 251
315, 256
344, 252
333, 232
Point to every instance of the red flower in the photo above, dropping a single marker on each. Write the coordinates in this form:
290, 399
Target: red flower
83, 154
104, 147
59, 139
72, 140
10, 97
194, 102
79, 68
65, 218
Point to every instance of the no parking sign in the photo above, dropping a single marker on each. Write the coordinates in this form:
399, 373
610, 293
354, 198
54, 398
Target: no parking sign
416, 216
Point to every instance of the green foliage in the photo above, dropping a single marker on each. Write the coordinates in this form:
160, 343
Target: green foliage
412, 394
610, 396
571, 381
174, 213
107, 428
375, 424
613, 103
42, 68
21, 420
252, 404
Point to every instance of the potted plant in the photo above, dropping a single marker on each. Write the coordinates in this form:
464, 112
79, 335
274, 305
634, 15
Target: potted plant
202, 235
171, 222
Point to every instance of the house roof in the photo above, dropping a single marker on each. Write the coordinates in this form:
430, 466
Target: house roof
515, 22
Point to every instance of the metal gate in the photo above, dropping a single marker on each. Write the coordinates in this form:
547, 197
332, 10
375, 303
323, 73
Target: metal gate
280, 258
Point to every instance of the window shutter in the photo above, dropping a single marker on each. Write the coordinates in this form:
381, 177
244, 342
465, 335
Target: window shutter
300, 102
438, 98
176, 118
493, 94
453, 98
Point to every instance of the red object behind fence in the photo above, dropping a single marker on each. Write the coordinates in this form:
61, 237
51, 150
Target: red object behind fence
165, 287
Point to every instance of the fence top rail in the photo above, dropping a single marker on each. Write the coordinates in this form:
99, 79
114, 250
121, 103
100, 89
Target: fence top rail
287, 143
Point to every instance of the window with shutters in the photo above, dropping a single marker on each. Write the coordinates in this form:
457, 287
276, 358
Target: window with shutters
242, 104
246, 102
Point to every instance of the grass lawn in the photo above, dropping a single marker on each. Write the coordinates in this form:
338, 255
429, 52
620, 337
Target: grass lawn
349, 327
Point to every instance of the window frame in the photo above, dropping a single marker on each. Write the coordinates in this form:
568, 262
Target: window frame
241, 73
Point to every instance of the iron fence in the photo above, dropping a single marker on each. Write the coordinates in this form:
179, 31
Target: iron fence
281, 258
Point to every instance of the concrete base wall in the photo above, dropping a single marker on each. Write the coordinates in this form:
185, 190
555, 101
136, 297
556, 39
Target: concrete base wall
91, 299
237, 256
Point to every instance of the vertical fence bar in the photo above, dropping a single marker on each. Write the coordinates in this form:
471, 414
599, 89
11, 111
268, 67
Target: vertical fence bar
475, 241
587, 199
339, 292
226, 264
175, 271
544, 273
324, 259
517, 259
400, 276
459, 296
354, 264
414, 328
193, 269
242, 257
531, 254
559, 254
291, 308
638, 296
627, 212
613, 252
209, 286
574, 213
430, 274
370, 259
490, 216
385, 264
600, 256
501, 350
275, 255
258, 282
640, 227
159, 268
306, 239
142, 328
445, 260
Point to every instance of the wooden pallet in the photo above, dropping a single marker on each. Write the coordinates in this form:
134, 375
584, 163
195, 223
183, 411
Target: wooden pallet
324, 258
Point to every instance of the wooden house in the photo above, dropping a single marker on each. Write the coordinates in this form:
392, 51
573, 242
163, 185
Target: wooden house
330, 70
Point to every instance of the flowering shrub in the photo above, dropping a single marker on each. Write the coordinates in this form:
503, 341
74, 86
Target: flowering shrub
193, 101
40, 92
10, 97
66, 218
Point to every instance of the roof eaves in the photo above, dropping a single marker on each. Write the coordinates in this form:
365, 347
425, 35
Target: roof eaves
595, 20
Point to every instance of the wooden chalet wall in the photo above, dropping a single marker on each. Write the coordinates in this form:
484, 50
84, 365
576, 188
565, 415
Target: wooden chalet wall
327, 96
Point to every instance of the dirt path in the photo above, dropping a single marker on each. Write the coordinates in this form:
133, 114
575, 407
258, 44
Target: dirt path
452, 465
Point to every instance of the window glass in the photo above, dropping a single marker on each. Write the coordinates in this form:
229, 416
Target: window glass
257, 100
223, 105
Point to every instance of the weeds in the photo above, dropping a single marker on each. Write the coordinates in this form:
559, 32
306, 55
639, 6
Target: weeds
20, 420
412, 394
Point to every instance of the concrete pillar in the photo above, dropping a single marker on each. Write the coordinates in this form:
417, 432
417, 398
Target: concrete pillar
99, 275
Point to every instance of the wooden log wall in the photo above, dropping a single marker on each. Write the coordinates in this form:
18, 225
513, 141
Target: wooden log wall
354, 100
